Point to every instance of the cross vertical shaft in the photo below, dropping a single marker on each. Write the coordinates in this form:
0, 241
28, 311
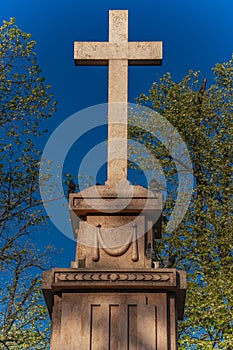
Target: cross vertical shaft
117, 100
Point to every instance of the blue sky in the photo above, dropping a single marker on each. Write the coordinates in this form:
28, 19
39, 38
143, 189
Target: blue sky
195, 34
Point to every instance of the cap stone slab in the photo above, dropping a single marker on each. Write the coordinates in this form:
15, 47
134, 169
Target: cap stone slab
111, 298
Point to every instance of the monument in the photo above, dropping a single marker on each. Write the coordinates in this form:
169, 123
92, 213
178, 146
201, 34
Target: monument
112, 297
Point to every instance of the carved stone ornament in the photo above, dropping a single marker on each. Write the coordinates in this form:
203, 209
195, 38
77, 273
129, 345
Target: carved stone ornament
132, 241
113, 277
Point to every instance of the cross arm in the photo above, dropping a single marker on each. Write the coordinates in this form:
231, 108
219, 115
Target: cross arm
137, 53
91, 53
148, 53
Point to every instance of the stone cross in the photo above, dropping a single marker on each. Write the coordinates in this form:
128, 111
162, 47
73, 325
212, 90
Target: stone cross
118, 53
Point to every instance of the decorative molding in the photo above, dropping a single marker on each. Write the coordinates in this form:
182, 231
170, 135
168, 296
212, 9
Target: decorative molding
111, 277
119, 251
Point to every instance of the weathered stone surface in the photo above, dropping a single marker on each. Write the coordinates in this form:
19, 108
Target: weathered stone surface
136, 307
99, 53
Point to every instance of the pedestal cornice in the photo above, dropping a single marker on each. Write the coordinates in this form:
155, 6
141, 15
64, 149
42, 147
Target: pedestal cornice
68, 280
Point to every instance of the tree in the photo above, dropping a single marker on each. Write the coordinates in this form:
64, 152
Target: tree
25, 101
204, 239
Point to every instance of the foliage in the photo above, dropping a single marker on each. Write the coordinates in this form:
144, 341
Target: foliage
204, 239
25, 101
23, 314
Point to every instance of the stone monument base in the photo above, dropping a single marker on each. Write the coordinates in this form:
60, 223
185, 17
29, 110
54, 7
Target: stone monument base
114, 310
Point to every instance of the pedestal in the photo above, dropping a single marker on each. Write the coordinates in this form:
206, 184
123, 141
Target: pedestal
112, 298
114, 309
